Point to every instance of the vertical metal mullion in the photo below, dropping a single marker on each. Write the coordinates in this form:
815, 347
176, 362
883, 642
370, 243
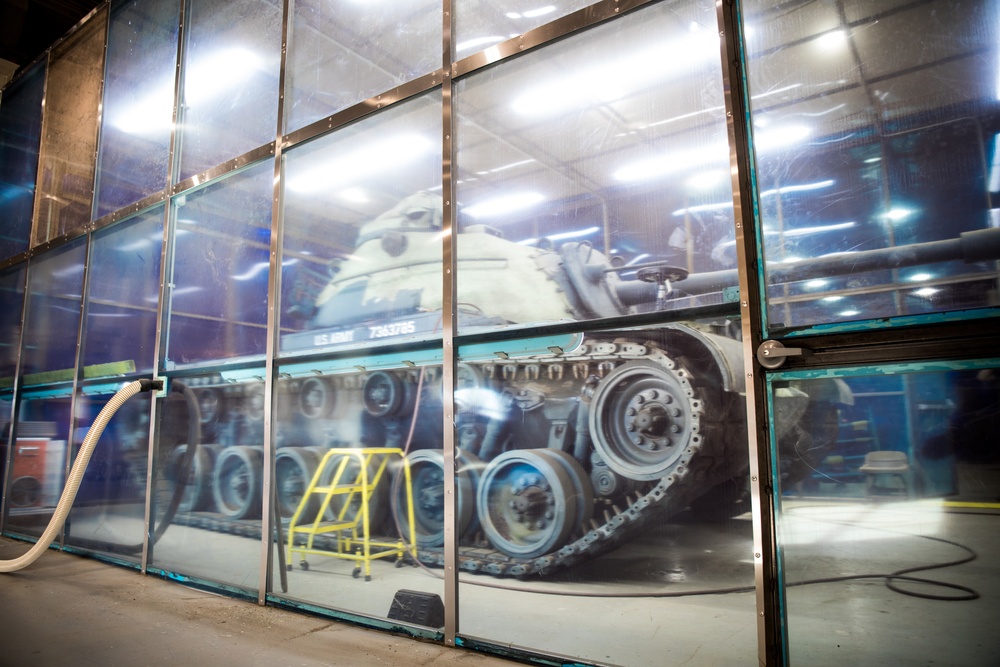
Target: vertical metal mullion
268, 491
166, 257
770, 646
39, 167
100, 119
78, 373
448, 320
14, 404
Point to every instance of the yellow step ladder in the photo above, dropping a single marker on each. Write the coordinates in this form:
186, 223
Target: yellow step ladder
354, 485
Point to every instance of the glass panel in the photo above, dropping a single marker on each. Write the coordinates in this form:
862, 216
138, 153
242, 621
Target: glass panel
230, 87
207, 477
138, 102
594, 175
55, 288
72, 101
362, 253
122, 294
11, 302
884, 499
38, 471
20, 132
109, 511
342, 53
480, 23
342, 432
219, 273
876, 129
11, 305
612, 465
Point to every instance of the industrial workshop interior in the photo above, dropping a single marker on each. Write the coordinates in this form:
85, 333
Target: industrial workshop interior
629, 332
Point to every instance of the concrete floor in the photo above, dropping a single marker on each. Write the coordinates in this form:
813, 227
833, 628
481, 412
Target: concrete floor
99, 614
66, 609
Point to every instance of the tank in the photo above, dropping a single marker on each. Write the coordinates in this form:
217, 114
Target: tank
567, 450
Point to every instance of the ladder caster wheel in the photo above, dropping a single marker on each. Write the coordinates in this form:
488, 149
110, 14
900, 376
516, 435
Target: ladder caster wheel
368, 577
304, 565
356, 573
399, 563
289, 567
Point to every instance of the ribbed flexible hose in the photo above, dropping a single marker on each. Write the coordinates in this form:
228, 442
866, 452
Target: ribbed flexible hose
75, 477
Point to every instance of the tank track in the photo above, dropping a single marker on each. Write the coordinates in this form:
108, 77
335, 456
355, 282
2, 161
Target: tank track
715, 446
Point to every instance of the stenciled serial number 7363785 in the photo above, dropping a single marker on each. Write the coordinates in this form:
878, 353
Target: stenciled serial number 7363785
392, 329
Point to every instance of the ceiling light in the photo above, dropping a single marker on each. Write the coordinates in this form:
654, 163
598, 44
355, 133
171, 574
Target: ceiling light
897, 214
495, 206
920, 277
849, 313
817, 283
831, 40
926, 291
389, 154
478, 41
781, 136
671, 162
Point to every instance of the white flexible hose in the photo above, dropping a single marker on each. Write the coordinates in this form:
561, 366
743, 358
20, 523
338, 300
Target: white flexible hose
74, 480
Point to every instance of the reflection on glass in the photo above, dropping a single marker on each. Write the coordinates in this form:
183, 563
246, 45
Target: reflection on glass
343, 53
479, 25
219, 273
138, 102
120, 327
72, 101
895, 478
628, 443
341, 439
208, 478
20, 133
594, 175
108, 514
38, 470
876, 130
230, 83
55, 288
11, 303
362, 213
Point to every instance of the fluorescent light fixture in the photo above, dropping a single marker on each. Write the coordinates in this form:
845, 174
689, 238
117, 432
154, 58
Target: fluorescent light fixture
150, 114
926, 291
355, 195
532, 13
831, 40
804, 187
612, 81
920, 277
849, 313
818, 229
779, 137
873, 160
673, 162
705, 180
564, 235
724, 205
817, 283
212, 75
478, 41
831, 299
503, 204
345, 169
897, 214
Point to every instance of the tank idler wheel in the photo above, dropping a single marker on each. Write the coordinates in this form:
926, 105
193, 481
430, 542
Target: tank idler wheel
643, 419
527, 504
237, 482
427, 482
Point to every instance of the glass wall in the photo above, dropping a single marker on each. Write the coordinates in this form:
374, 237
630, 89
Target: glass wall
229, 91
69, 133
340, 54
20, 133
866, 150
892, 516
138, 102
459, 348
219, 269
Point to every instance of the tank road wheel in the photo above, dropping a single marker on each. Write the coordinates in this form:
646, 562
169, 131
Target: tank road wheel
317, 399
642, 419
383, 394
427, 481
294, 468
582, 486
527, 504
237, 482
